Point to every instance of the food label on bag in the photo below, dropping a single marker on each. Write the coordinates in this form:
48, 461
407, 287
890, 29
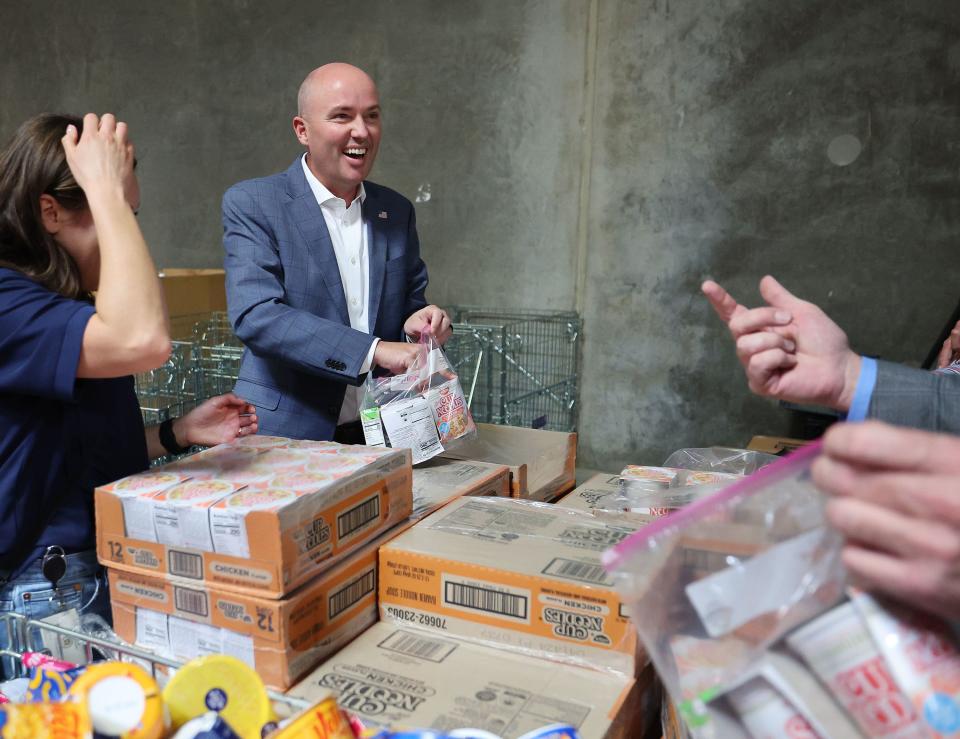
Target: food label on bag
372, 430
409, 424
449, 410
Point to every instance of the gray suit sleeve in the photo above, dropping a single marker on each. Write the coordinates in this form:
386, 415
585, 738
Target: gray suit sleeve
260, 316
912, 397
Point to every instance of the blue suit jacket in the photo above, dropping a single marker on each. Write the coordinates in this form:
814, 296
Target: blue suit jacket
286, 300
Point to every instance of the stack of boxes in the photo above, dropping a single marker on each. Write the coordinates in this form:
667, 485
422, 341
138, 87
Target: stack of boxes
264, 549
480, 605
285, 554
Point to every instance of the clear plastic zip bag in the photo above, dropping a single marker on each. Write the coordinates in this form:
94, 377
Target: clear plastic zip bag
423, 410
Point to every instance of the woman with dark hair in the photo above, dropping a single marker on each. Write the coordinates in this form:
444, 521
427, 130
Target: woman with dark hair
69, 418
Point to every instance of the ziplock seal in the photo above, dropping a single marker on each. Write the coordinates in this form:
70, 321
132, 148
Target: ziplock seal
616, 554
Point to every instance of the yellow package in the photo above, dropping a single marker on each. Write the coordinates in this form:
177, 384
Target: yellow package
323, 720
44, 721
223, 684
122, 701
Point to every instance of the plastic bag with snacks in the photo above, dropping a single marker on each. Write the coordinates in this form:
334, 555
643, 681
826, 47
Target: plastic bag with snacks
722, 580
423, 410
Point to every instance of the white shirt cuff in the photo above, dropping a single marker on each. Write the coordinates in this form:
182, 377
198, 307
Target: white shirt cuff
368, 362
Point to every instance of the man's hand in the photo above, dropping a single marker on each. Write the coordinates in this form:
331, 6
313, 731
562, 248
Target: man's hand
432, 319
897, 501
396, 356
950, 351
216, 421
790, 349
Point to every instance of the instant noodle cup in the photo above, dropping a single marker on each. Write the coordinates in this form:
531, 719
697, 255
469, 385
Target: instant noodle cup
136, 493
180, 513
307, 481
228, 525
337, 465
254, 475
44, 721
122, 701
315, 447
259, 441
223, 684
283, 458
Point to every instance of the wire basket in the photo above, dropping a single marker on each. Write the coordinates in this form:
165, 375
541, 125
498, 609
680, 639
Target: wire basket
217, 355
529, 375
170, 390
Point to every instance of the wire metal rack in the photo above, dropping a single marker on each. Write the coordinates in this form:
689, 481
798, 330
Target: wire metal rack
20, 630
217, 355
170, 390
518, 368
529, 377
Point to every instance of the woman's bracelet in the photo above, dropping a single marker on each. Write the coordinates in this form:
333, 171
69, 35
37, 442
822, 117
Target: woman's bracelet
169, 440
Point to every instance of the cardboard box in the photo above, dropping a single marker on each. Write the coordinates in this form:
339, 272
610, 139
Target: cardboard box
518, 575
405, 679
281, 639
775, 444
542, 463
193, 291
437, 482
267, 538
593, 491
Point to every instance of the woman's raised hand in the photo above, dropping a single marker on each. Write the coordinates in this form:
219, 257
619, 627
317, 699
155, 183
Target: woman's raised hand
102, 156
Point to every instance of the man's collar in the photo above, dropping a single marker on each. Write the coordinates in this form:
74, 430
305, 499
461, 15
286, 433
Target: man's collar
320, 192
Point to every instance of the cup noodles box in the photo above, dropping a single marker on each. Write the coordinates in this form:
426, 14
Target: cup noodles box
259, 520
407, 679
281, 639
438, 481
518, 575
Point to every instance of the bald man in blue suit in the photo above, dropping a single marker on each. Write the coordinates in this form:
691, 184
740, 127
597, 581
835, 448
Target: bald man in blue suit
324, 277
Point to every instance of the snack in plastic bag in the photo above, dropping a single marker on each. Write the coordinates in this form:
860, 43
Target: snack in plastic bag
922, 656
721, 580
840, 651
423, 410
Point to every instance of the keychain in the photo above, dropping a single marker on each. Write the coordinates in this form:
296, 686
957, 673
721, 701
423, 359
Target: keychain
54, 567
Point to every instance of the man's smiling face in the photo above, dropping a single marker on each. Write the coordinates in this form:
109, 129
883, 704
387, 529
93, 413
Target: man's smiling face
339, 123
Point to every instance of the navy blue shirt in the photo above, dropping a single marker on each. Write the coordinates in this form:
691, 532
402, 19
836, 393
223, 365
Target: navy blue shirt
59, 436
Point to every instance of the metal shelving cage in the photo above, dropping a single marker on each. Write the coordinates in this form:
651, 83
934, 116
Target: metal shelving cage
529, 373
518, 367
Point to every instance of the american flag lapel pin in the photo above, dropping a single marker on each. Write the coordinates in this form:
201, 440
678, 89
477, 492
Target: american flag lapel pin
382, 214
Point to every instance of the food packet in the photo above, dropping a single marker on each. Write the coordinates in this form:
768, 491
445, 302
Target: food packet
423, 410
44, 721
922, 655
723, 579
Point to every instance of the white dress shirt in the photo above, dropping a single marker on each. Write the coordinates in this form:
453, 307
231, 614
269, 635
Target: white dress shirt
349, 234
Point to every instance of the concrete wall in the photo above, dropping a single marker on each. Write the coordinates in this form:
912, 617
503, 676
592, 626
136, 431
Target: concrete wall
604, 155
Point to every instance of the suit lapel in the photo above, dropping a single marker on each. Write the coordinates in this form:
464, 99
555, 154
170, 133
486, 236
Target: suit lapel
319, 249
377, 248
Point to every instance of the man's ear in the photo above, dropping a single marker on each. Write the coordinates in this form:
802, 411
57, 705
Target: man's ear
51, 213
300, 129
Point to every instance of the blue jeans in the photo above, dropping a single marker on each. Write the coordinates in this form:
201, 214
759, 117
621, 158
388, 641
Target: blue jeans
83, 586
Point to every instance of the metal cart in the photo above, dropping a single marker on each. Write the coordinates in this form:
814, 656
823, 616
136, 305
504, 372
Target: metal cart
18, 629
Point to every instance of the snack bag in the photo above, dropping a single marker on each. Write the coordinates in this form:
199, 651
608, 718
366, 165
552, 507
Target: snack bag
923, 658
423, 410
723, 579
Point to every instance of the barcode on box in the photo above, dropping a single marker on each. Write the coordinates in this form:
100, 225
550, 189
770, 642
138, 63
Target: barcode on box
190, 601
573, 570
484, 599
185, 564
359, 517
432, 650
351, 593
